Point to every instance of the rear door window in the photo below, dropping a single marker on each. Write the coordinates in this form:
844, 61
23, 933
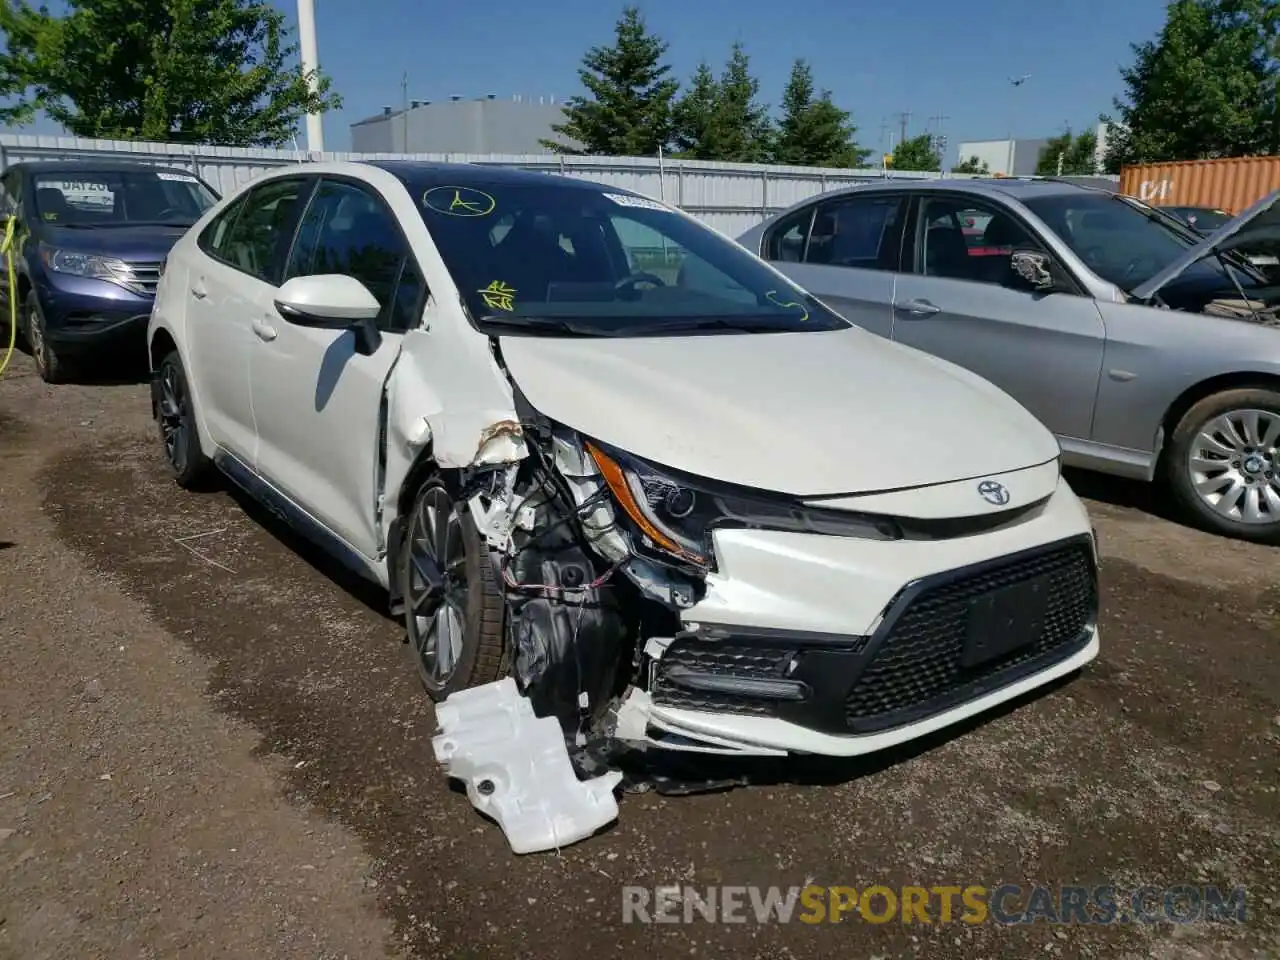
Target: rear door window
863, 231
256, 241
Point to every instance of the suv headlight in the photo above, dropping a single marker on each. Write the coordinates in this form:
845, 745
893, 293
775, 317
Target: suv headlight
86, 265
674, 515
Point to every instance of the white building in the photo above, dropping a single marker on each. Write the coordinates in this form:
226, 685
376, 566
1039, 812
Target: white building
1014, 158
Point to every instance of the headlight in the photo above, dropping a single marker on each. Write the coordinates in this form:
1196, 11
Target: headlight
674, 515
86, 265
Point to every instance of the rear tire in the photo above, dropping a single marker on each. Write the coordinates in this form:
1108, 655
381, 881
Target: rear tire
176, 418
454, 608
1223, 464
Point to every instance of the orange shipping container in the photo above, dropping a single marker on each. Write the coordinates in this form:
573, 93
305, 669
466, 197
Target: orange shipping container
1230, 184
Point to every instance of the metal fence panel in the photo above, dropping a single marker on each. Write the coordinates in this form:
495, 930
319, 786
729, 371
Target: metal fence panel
732, 197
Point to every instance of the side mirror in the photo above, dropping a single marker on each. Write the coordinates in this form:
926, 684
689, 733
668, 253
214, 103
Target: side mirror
332, 301
1034, 267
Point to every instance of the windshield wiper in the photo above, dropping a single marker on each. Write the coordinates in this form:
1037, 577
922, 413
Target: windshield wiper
701, 323
541, 325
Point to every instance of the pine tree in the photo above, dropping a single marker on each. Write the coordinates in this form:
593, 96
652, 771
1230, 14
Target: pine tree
628, 112
694, 117
743, 124
205, 71
721, 119
813, 131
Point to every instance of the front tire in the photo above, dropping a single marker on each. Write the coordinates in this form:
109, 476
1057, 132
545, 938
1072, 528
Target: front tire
176, 417
1223, 464
51, 365
453, 604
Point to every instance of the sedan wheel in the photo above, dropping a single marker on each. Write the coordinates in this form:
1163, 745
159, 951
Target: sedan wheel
453, 607
175, 415
1225, 463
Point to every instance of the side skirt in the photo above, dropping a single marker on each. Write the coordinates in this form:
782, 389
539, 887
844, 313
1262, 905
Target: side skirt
297, 519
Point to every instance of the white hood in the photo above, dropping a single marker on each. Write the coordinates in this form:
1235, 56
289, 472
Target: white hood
809, 414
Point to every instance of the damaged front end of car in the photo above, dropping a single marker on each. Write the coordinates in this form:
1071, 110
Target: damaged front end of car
585, 545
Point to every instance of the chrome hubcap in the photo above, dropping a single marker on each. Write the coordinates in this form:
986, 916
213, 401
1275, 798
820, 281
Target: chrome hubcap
173, 418
1235, 465
436, 595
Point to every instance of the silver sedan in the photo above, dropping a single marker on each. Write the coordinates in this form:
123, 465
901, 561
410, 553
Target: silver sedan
1152, 352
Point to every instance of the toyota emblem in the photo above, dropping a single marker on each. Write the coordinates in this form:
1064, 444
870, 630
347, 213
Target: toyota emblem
993, 492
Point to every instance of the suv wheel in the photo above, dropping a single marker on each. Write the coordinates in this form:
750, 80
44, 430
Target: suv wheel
51, 367
1223, 464
453, 605
176, 417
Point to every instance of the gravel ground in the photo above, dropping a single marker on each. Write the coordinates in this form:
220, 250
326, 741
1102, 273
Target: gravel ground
211, 745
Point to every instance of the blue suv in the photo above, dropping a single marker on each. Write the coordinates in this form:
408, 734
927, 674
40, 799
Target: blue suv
90, 243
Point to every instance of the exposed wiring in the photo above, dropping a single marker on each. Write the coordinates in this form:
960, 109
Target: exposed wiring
6, 247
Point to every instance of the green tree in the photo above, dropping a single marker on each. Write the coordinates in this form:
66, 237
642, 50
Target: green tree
918, 153
205, 71
694, 116
813, 131
1076, 153
722, 119
629, 110
745, 129
972, 165
1205, 87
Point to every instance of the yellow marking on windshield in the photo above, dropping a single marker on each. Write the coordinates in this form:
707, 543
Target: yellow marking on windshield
772, 297
459, 201
499, 296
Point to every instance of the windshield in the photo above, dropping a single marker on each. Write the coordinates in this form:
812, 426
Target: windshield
561, 259
1202, 219
83, 198
1120, 242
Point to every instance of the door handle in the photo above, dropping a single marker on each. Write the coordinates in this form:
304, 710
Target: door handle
264, 330
919, 308
198, 290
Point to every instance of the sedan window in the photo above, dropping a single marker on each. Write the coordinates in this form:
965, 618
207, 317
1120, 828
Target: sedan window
964, 240
348, 230
857, 231
550, 258
252, 242
1120, 243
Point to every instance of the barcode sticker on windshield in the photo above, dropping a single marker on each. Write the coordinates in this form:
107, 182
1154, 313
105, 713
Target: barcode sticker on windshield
178, 177
644, 203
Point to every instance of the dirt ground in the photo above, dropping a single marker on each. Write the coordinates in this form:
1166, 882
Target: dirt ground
211, 745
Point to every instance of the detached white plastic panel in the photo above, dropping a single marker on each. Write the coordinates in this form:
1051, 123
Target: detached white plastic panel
517, 769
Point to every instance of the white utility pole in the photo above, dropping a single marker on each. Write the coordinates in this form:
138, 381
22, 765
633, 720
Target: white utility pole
1014, 82
310, 64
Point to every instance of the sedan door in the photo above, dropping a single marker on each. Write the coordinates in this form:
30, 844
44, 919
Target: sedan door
845, 251
959, 298
316, 398
225, 282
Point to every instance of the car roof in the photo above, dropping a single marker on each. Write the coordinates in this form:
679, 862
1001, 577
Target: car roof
429, 174
979, 186
89, 166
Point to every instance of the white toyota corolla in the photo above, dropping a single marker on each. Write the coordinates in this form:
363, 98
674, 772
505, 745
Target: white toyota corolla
629, 487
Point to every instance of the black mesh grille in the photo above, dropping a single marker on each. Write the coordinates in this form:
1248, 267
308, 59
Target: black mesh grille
916, 669
722, 659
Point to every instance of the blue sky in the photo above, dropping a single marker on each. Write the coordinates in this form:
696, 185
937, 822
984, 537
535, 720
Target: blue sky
929, 57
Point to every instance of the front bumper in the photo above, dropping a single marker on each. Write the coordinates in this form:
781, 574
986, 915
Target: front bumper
81, 314
910, 659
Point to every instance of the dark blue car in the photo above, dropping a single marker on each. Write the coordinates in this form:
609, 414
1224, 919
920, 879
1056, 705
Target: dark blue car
90, 241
